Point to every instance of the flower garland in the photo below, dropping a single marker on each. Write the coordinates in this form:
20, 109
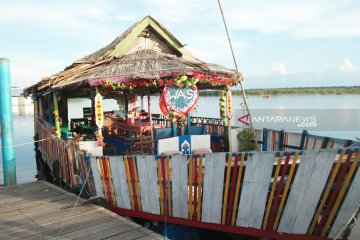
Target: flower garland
222, 104
184, 80
176, 117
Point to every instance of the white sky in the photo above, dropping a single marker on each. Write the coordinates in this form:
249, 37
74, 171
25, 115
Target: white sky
277, 43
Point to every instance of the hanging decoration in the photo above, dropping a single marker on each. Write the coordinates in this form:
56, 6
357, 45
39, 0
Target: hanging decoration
99, 118
184, 80
181, 99
229, 112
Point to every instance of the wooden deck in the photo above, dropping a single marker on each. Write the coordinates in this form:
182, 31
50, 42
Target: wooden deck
41, 210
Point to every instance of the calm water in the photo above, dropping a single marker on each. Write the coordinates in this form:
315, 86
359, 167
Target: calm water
207, 106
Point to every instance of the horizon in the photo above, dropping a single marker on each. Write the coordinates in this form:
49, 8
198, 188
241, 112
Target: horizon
277, 44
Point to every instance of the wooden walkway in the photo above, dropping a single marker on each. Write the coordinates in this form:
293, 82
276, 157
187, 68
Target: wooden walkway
41, 210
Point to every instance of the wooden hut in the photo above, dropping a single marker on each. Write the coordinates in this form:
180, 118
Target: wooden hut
305, 187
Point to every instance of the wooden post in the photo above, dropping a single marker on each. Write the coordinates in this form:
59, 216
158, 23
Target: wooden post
188, 123
149, 108
40, 108
7, 129
56, 115
50, 114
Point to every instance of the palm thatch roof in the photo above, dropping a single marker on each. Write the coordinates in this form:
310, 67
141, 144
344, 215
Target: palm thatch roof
147, 50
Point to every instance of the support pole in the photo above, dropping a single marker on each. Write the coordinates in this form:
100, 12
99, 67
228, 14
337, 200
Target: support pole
7, 129
56, 115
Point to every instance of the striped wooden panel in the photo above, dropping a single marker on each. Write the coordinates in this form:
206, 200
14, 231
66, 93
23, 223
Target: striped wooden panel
349, 207
306, 190
179, 185
148, 181
255, 189
340, 196
99, 187
119, 182
213, 188
334, 195
319, 177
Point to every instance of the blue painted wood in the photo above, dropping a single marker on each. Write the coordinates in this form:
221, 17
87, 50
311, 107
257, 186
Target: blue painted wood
7, 129
303, 138
265, 139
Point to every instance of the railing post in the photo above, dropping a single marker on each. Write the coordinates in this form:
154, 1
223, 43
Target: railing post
7, 129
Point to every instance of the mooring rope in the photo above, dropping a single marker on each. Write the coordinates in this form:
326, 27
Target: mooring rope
76, 202
26, 143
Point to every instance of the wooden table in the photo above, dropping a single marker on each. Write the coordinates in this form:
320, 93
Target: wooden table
140, 132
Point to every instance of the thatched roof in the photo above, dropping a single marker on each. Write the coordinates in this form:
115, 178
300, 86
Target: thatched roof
125, 58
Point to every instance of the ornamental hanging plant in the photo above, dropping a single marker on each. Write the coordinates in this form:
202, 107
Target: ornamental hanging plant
181, 99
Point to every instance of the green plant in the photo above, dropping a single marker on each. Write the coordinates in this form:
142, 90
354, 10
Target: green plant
246, 140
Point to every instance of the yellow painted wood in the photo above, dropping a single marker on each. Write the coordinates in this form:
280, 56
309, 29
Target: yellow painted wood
200, 179
237, 190
129, 182
314, 143
190, 187
228, 170
167, 163
284, 195
110, 182
56, 115
271, 197
136, 184
160, 188
327, 191
307, 143
341, 194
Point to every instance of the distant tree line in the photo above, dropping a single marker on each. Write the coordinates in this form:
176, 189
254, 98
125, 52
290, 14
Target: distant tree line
298, 90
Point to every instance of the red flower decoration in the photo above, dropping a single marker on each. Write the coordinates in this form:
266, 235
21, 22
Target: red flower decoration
127, 83
161, 82
135, 83
196, 75
143, 83
201, 77
101, 81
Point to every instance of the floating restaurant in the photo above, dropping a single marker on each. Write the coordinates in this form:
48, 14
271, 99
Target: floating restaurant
179, 168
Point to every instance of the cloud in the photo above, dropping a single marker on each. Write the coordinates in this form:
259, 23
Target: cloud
300, 19
279, 68
346, 66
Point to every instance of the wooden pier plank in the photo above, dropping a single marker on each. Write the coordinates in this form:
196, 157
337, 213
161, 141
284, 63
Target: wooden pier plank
179, 185
120, 182
45, 218
213, 188
146, 166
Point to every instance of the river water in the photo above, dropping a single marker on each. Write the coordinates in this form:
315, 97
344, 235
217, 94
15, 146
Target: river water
327, 105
